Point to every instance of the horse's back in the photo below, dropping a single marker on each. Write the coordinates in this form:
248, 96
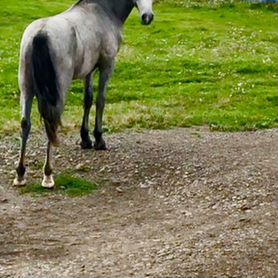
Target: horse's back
77, 39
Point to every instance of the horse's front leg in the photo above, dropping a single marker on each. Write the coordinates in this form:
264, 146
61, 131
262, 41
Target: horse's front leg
105, 74
86, 142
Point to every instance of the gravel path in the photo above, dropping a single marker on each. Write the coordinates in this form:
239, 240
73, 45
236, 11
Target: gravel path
182, 202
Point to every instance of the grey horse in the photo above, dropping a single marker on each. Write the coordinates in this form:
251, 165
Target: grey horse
71, 45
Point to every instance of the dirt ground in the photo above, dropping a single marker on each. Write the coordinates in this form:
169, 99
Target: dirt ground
176, 203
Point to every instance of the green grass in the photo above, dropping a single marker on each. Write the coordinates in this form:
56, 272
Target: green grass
64, 184
197, 64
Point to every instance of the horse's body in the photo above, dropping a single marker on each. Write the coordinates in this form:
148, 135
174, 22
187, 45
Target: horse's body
71, 45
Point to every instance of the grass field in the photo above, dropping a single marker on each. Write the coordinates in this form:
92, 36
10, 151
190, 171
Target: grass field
198, 64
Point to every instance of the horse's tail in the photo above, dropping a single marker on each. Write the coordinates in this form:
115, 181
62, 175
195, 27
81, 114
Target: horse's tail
46, 86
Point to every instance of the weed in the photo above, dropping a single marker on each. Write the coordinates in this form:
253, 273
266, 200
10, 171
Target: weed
64, 184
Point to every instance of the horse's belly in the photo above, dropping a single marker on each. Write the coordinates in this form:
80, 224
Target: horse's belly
84, 67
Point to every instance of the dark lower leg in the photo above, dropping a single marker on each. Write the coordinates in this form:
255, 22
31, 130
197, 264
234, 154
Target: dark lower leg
99, 141
47, 165
105, 74
25, 129
48, 181
86, 142
26, 104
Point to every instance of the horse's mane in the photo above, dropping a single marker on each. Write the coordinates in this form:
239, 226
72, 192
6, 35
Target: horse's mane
79, 2
84, 1
120, 8
88, 1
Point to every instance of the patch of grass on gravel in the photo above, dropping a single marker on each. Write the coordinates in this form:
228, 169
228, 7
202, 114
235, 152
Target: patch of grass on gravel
66, 184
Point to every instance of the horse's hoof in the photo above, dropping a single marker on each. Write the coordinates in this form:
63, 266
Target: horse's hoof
100, 146
86, 145
48, 182
19, 182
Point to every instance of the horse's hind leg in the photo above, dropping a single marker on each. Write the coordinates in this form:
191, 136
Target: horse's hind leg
26, 105
48, 181
105, 73
86, 142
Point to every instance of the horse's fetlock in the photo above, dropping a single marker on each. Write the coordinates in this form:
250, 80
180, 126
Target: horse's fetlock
98, 135
48, 170
100, 145
21, 170
84, 134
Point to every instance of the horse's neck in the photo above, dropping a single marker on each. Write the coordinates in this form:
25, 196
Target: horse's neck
121, 9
